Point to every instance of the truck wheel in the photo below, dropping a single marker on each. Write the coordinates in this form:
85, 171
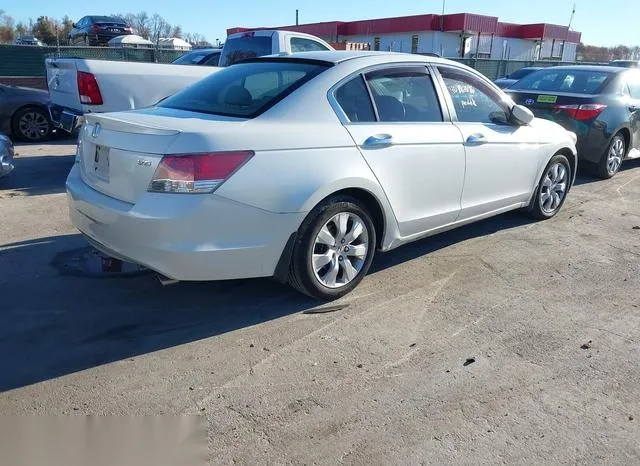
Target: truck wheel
31, 124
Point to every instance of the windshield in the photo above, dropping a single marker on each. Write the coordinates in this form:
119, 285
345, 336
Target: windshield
521, 73
243, 47
558, 80
245, 90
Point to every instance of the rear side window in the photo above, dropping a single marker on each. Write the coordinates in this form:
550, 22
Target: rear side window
574, 81
300, 44
633, 79
245, 90
404, 94
354, 100
244, 47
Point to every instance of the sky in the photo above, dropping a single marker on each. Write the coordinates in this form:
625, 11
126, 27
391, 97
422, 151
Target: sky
606, 23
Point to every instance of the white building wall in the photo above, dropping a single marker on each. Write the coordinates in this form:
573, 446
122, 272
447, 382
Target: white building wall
443, 43
570, 51
448, 44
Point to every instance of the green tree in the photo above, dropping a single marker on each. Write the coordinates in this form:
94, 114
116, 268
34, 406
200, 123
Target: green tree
45, 30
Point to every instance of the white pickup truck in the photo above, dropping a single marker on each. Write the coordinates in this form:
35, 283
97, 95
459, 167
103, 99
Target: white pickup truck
78, 86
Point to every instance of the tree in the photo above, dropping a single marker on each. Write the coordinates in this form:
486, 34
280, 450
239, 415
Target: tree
141, 23
7, 34
158, 28
65, 27
45, 30
177, 31
21, 29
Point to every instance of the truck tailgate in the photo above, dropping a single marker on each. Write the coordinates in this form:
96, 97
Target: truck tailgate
63, 83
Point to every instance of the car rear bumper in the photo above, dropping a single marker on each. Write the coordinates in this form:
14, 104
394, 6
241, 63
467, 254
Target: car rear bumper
182, 236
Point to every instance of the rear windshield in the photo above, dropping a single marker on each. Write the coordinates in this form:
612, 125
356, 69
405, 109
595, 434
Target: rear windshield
245, 90
107, 19
243, 47
574, 81
194, 58
521, 73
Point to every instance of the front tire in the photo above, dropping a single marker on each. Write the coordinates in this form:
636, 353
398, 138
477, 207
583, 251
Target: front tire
612, 159
552, 188
334, 249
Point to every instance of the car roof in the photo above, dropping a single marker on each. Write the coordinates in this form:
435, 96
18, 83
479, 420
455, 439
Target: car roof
339, 56
602, 68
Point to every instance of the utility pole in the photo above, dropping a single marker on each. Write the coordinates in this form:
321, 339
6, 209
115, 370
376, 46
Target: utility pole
297, 17
573, 13
442, 15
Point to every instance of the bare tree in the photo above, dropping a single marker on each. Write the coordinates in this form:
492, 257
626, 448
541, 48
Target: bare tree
7, 33
176, 31
157, 28
142, 24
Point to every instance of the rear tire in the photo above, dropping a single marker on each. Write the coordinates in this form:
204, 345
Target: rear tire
31, 124
552, 189
611, 160
333, 250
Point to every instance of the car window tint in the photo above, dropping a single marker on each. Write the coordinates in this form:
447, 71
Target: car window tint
404, 95
300, 44
245, 89
473, 99
244, 47
521, 73
354, 100
574, 81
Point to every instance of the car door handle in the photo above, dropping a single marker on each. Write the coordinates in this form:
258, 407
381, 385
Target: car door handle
379, 140
476, 139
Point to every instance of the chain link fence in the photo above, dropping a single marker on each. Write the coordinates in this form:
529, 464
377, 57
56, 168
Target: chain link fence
22, 60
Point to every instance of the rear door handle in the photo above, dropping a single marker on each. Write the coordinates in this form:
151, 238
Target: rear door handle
476, 139
379, 140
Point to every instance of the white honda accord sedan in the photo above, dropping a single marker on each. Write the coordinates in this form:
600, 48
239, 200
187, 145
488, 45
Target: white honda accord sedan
301, 167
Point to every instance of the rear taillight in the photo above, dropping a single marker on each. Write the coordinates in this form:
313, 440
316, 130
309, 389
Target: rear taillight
583, 112
88, 89
196, 173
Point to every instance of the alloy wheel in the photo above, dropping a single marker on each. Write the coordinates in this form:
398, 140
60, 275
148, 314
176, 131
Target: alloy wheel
615, 156
33, 125
554, 187
340, 250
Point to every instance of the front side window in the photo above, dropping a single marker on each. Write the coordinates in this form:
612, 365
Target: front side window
245, 90
300, 44
404, 94
474, 100
354, 100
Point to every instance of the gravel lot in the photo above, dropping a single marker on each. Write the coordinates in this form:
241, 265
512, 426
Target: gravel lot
502, 342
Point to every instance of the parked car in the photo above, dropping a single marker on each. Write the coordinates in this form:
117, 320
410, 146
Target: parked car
98, 30
510, 79
78, 86
6, 155
301, 166
201, 57
24, 113
601, 104
29, 40
625, 63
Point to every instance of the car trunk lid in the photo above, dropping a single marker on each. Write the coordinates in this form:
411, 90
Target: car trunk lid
559, 107
119, 152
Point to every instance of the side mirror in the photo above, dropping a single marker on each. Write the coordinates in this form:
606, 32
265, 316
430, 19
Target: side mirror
521, 115
73, 25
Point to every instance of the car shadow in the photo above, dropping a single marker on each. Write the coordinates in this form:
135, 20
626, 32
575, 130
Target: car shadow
584, 176
40, 175
53, 324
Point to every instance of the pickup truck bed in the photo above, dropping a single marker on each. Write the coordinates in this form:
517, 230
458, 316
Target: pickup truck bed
121, 85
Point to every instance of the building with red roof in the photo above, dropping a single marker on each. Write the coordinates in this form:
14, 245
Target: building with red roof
461, 35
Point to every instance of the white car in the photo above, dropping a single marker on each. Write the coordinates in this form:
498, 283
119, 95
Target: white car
301, 167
